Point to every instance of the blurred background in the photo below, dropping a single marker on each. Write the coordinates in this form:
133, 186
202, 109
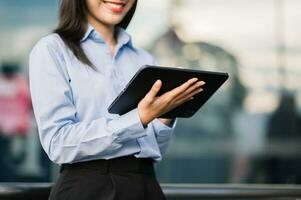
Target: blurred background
249, 131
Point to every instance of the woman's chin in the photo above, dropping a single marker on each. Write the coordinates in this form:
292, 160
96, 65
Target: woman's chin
112, 20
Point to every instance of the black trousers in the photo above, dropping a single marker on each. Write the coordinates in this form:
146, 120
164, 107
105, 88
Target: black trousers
125, 178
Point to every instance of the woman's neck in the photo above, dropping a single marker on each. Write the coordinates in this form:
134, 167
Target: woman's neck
107, 32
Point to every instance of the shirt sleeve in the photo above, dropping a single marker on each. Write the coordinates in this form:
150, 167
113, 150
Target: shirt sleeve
64, 138
163, 133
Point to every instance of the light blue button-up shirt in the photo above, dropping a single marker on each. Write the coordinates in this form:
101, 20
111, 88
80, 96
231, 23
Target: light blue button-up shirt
70, 101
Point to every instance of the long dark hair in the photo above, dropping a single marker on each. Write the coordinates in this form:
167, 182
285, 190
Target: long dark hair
73, 25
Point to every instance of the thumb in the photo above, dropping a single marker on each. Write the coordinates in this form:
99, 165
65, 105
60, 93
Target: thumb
155, 89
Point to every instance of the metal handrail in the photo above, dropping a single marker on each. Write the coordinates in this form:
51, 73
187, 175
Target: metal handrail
231, 191
28, 191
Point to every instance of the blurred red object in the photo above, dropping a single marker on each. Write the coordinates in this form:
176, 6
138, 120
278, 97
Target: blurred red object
15, 105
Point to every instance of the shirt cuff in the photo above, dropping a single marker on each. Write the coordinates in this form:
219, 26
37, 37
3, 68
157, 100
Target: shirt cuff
161, 126
128, 126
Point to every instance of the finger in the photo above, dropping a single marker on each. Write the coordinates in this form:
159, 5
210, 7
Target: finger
178, 90
154, 90
190, 90
194, 93
188, 97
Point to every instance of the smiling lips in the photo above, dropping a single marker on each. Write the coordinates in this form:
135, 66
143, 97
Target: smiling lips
115, 6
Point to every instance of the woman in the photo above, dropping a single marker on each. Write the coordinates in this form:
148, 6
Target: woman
75, 73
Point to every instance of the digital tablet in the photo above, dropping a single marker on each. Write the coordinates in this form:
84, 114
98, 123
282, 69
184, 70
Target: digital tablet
171, 78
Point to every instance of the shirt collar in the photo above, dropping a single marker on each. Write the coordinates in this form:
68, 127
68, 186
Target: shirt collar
123, 38
90, 28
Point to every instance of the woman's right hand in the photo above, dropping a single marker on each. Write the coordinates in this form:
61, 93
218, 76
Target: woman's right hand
153, 106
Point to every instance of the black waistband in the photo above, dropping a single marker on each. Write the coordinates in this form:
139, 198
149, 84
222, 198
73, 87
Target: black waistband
121, 164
